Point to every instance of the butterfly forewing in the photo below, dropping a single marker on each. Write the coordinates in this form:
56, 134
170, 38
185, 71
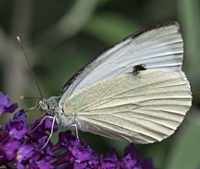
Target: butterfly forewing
141, 108
159, 47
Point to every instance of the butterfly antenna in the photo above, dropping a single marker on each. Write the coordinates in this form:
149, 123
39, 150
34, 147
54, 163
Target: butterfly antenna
32, 108
29, 65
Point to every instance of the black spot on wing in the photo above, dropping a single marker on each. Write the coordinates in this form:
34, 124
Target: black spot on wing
138, 68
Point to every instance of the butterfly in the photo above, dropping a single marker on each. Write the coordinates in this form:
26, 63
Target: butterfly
135, 91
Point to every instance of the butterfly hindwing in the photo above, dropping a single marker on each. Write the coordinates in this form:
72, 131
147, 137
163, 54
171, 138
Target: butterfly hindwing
141, 108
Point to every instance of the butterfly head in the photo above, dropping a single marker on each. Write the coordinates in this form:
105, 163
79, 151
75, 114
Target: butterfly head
50, 106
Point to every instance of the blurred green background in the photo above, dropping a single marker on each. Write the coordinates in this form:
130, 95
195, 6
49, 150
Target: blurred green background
62, 36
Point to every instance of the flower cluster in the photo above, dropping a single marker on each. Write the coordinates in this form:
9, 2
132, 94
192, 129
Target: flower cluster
20, 148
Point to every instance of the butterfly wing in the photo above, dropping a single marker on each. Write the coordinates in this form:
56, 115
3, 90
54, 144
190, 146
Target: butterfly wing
141, 108
159, 47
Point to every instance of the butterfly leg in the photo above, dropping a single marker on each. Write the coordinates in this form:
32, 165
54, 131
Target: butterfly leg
54, 118
51, 133
76, 130
50, 117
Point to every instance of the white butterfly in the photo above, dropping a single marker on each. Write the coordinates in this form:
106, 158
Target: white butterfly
135, 91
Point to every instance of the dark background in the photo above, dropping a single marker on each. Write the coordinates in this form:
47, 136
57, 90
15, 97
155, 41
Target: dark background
62, 36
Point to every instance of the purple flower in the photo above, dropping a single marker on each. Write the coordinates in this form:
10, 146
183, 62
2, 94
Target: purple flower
24, 152
128, 162
110, 161
22, 148
16, 129
5, 106
8, 150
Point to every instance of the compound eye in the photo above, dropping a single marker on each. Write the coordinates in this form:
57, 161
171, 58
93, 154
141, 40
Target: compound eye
44, 107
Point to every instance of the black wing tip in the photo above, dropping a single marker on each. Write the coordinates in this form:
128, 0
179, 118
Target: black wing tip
157, 26
167, 23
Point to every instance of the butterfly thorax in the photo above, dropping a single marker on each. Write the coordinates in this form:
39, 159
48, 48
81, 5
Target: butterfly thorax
51, 106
